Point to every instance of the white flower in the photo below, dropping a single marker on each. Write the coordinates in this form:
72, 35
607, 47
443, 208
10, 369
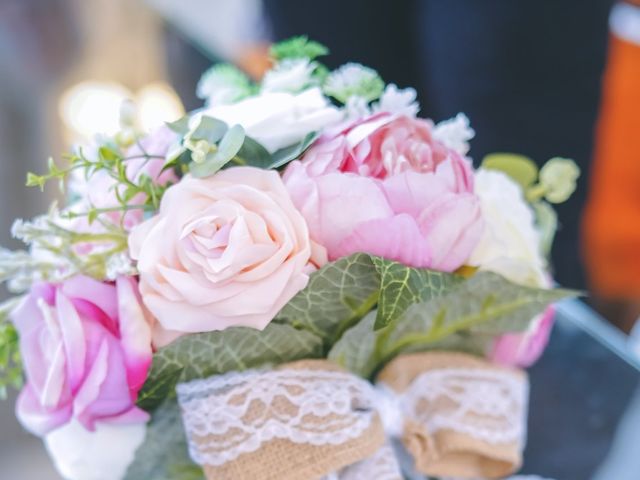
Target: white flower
354, 79
357, 107
278, 119
455, 133
291, 75
395, 100
104, 454
510, 244
119, 264
223, 84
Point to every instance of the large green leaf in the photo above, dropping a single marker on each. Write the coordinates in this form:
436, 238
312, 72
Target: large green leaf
337, 296
164, 453
485, 304
204, 354
154, 393
402, 286
466, 318
355, 351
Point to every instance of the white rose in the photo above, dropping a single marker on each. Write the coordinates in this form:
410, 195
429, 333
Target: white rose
278, 119
289, 76
104, 454
510, 244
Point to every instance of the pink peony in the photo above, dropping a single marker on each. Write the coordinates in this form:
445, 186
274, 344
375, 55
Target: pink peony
86, 349
385, 186
524, 348
224, 251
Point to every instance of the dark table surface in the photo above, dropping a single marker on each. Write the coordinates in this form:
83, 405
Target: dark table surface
584, 421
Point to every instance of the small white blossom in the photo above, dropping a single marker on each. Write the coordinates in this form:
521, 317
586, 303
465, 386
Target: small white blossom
354, 79
455, 133
223, 85
395, 100
357, 107
118, 265
291, 75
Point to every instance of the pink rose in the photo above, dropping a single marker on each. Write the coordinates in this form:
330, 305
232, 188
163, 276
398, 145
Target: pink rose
523, 349
146, 157
224, 251
86, 349
385, 186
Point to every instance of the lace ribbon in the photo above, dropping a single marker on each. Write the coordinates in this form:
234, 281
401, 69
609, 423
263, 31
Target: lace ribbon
457, 415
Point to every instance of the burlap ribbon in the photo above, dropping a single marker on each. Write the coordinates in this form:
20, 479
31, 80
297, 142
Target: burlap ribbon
457, 416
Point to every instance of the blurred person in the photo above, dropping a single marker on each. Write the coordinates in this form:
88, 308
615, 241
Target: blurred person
612, 220
526, 72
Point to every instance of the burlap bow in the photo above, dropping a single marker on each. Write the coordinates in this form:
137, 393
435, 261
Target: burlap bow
457, 415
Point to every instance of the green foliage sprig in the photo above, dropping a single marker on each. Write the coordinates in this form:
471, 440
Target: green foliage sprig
10, 363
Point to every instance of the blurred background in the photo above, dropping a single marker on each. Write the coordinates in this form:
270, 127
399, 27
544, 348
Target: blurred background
542, 78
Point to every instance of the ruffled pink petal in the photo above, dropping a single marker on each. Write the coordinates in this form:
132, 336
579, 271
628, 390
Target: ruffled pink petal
397, 238
37, 419
135, 332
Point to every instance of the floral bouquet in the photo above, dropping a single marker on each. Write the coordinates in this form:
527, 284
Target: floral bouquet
301, 280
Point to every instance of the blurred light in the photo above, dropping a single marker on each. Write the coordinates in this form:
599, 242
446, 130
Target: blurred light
157, 103
89, 108
92, 107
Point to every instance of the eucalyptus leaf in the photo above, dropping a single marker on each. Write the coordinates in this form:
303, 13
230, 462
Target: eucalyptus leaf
521, 169
402, 286
287, 154
227, 149
210, 129
164, 453
337, 296
180, 126
254, 154
204, 354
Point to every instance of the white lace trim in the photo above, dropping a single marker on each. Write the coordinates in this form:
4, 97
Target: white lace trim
490, 405
236, 413
383, 465
228, 415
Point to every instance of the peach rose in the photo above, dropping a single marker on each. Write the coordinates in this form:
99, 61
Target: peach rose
224, 251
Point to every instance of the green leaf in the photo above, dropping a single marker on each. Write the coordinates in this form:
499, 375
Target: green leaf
204, 354
254, 154
337, 296
180, 126
287, 154
164, 453
298, 47
227, 149
485, 304
34, 180
209, 129
154, 393
402, 286
107, 154
355, 351
521, 169
467, 318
